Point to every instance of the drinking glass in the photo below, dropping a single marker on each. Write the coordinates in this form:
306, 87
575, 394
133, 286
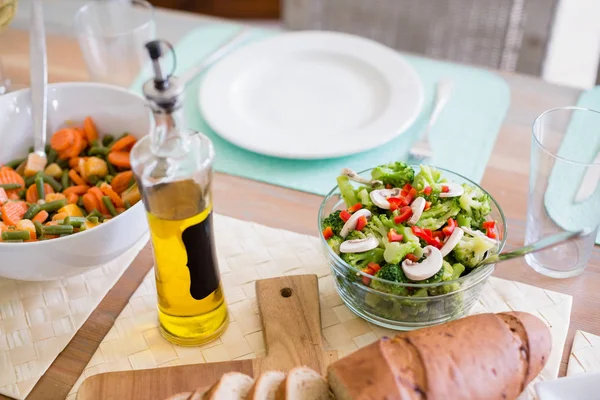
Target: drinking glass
8, 9
112, 35
564, 189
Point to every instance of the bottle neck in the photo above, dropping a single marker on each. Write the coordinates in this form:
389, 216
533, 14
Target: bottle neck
169, 133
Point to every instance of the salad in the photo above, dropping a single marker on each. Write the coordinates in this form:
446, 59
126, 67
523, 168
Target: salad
410, 228
84, 180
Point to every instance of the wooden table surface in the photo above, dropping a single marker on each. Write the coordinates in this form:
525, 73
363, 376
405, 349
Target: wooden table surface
506, 178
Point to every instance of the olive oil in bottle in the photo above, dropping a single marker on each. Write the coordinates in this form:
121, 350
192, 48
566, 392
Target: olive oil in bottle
173, 168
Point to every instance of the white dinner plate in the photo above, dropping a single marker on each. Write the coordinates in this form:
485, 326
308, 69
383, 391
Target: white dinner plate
311, 95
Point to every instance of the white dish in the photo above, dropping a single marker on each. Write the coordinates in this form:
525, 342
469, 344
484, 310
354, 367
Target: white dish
583, 386
114, 110
311, 95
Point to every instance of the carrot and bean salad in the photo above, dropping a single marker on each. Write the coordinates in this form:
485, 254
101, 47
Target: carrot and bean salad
84, 181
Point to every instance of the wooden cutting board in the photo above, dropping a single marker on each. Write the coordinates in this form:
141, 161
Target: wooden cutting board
290, 314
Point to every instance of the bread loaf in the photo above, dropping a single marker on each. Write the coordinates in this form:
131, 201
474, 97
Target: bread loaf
266, 385
482, 357
231, 386
303, 383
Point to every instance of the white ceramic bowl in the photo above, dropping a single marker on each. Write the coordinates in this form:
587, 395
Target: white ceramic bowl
115, 111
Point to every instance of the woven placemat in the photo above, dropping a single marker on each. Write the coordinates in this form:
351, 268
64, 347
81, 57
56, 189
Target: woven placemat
247, 252
38, 319
585, 354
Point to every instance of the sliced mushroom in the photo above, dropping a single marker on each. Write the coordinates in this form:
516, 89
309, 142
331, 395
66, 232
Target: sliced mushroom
425, 269
452, 241
359, 245
379, 197
350, 225
454, 190
359, 179
417, 207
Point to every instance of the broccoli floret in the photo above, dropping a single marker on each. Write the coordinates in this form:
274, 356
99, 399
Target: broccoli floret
363, 197
334, 221
396, 174
347, 190
428, 176
356, 235
438, 214
448, 273
376, 229
471, 250
463, 219
395, 252
361, 260
334, 242
457, 270
391, 273
408, 234
476, 204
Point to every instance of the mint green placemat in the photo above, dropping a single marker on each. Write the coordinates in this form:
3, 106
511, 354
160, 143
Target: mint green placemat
462, 139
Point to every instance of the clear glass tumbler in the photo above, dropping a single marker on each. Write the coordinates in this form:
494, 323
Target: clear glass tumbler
564, 188
112, 35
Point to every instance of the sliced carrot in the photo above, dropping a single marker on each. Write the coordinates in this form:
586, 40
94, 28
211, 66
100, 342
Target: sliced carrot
119, 159
41, 216
13, 196
89, 128
32, 196
9, 175
62, 139
78, 190
74, 162
72, 198
114, 197
121, 181
54, 196
90, 203
76, 178
77, 147
13, 211
98, 195
124, 144
120, 210
3, 195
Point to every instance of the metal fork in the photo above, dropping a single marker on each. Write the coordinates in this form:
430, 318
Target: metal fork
421, 150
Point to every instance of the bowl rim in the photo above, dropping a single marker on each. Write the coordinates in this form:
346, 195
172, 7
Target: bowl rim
473, 277
11, 246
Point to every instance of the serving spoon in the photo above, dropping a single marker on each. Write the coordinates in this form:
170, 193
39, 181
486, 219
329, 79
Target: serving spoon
541, 244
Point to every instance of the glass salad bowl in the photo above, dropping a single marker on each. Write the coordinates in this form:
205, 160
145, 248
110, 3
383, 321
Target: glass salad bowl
407, 306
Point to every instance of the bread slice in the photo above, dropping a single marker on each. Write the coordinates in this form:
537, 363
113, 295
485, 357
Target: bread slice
303, 383
265, 387
231, 386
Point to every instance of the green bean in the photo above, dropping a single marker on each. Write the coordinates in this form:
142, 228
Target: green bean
107, 140
52, 182
30, 149
64, 179
83, 211
38, 228
94, 213
52, 156
93, 179
30, 180
74, 221
13, 241
15, 163
63, 164
39, 185
57, 229
99, 183
52, 206
32, 211
93, 220
22, 193
10, 186
108, 203
99, 151
108, 178
111, 169
47, 149
16, 235
127, 205
95, 143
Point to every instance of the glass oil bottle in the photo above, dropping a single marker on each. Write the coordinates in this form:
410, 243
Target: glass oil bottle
173, 168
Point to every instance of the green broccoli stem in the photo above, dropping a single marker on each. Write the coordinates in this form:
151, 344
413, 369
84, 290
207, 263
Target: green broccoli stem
347, 191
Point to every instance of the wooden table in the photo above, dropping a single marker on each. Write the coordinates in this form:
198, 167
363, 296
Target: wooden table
506, 178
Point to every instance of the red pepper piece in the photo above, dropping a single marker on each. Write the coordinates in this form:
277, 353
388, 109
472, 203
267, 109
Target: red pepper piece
361, 223
445, 189
394, 236
405, 213
438, 234
412, 257
355, 208
407, 187
388, 186
368, 270
412, 193
448, 229
427, 190
489, 224
427, 205
491, 233
327, 233
345, 215
395, 203
374, 267
427, 236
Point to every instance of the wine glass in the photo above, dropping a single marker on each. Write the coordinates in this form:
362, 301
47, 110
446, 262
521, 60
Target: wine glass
8, 9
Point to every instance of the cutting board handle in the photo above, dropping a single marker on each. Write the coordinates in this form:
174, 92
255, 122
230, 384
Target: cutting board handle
291, 318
